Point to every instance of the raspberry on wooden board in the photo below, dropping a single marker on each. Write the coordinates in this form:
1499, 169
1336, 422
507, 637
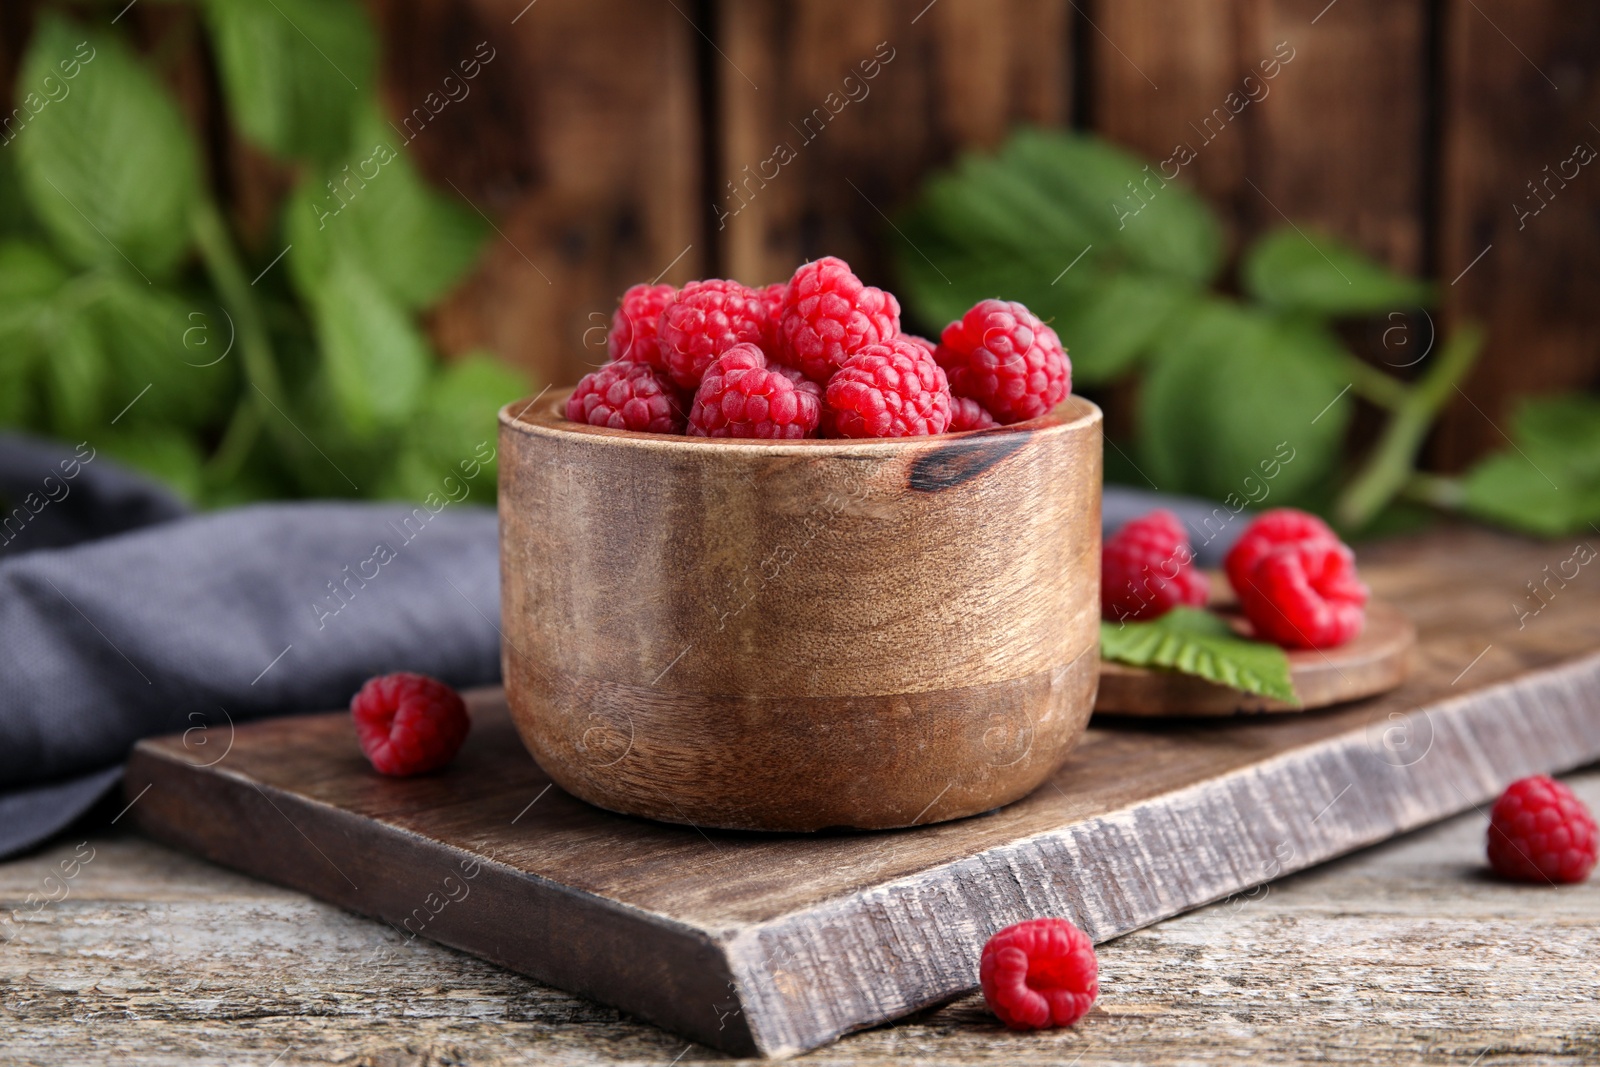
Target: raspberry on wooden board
409, 723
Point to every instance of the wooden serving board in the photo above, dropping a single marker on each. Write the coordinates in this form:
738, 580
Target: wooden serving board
1375, 662
774, 944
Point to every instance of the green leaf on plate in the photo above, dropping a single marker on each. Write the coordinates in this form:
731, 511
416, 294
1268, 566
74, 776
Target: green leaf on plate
1549, 484
375, 359
1305, 271
109, 169
1238, 404
1200, 643
296, 72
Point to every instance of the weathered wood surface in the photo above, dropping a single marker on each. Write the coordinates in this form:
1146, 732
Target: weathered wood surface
1375, 662
1519, 146
1405, 953
603, 138
779, 943
734, 634
829, 114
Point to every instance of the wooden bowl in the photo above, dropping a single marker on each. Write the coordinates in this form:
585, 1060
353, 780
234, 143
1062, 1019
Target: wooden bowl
800, 635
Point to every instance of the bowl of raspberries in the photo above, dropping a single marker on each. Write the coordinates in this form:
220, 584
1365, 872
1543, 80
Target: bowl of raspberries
779, 565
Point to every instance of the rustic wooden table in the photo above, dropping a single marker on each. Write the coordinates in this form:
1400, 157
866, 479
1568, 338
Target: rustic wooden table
1407, 953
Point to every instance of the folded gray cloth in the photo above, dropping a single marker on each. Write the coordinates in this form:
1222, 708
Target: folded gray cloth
123, 616
204, 619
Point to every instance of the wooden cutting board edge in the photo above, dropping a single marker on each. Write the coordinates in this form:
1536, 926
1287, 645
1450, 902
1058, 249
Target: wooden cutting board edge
766, 989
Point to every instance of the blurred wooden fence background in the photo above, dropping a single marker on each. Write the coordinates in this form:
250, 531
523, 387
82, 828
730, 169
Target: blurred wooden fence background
602, 138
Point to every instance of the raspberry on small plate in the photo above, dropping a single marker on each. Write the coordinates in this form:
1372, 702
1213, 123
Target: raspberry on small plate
1147, 569
1297, 582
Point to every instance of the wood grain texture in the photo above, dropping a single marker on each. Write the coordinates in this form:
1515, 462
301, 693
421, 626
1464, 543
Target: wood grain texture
818, 633
1306, 137
580, 140
819, 935
1375, 662
1520, 95
831, 112
1405, 953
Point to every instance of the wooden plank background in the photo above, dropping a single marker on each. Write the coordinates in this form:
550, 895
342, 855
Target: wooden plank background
622, 139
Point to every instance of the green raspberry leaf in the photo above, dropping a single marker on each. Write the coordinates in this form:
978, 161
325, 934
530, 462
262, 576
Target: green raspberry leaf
1296, 271
1200, 643
107, 164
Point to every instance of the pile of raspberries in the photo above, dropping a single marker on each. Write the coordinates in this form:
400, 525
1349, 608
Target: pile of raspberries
820, 355
1296, 581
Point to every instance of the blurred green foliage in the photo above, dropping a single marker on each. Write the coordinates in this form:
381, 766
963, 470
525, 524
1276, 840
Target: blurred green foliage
129, 316
1126, 266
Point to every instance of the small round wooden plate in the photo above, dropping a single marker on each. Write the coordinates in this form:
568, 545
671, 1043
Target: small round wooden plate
1375, 662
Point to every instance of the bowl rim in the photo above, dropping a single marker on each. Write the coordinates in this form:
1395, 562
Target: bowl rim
549, 419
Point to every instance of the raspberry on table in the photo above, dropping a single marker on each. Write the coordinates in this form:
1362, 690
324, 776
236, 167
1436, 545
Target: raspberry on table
830, 315
740, 396
1539, 831
707, 319
1147, 568
968, 414
409, 723
1001, 355
1038, 974
1278, 526
627, 396
888, 390
1305, 594
634, 324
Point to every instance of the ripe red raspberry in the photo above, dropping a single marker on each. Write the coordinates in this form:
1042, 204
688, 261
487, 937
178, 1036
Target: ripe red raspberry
1539, 831
830, 316
1039, 974
773, 298
1305, 594
627, 396
1002, 356
888, 390
968, 414
1147, 569
635, 322
741, 397
706, 320
1279, 526
409, 723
